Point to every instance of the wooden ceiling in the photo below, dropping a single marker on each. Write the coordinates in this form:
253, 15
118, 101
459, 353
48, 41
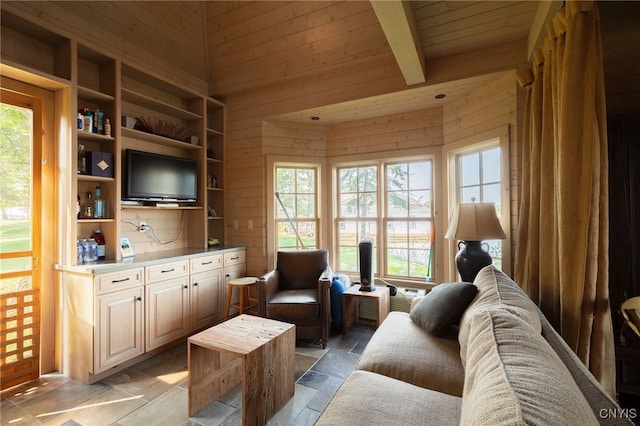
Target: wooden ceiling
263, 43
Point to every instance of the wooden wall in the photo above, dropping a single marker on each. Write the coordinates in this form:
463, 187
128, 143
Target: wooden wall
494, 106
415, 129
171, 39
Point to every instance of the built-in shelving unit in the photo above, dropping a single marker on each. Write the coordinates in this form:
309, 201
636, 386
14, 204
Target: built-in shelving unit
102, 80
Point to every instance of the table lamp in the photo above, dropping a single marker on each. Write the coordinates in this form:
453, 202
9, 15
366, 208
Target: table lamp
470, 224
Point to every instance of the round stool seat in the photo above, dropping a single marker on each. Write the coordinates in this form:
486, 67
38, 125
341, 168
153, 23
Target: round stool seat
244, 299
243, 281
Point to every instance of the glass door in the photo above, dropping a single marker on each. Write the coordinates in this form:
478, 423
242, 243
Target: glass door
20, 211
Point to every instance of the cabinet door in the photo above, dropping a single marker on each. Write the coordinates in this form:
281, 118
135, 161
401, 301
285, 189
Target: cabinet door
119, 328
167, 311
207, 291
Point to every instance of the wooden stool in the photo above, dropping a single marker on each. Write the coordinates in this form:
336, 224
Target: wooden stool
244, 300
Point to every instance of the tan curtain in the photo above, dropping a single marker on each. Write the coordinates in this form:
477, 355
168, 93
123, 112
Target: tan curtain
562, 247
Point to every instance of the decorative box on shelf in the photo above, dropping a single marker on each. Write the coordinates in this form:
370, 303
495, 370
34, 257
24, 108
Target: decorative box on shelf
100, 163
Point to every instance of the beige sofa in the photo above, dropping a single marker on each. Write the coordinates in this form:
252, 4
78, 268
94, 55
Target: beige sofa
506, 366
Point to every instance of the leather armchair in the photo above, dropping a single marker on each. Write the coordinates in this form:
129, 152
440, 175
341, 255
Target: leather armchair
298, 292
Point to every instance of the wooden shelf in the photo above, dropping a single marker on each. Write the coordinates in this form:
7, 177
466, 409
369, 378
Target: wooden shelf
96, 137
161, 140
126, 207
90, 178
86, 93
91, 220
157, 105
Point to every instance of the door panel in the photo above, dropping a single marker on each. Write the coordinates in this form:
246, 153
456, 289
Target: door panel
20, 231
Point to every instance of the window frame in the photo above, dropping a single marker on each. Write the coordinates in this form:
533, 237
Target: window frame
479, 142
319, 166
434, 154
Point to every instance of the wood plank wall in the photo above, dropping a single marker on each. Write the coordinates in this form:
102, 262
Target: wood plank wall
170, 40
497, 104
415, 129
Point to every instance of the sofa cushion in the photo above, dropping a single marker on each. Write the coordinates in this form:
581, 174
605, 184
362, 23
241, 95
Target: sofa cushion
439, 312
367, 398
601, 403
405, 351
514, 377
496, 289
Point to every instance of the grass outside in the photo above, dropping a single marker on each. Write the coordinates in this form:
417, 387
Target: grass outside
15, 235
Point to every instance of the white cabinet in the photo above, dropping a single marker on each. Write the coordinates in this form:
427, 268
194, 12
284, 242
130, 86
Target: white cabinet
235, 266
207, 290
167, 311
120, 333
102, 321
167, 303
110, 320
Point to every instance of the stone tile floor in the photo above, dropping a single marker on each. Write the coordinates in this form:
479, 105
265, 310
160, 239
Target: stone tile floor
154, 392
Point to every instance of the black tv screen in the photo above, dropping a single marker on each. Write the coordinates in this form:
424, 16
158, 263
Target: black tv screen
156, 177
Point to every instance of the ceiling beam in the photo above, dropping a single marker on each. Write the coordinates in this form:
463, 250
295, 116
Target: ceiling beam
398, 24
546, 11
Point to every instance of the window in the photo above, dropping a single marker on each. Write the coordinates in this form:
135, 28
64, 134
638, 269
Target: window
391, 203
479, 179
296, 218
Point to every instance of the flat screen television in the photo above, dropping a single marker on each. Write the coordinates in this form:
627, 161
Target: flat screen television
160, 178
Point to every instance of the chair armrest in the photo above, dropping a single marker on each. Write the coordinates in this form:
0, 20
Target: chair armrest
327, 274
267, 285
324, 296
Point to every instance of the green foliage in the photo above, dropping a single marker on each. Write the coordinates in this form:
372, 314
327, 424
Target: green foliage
15, 156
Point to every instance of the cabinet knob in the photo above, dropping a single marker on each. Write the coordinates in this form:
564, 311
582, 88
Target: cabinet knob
139, 298
195, 284
186, 286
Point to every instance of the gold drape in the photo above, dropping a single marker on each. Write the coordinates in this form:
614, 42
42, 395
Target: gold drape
562, 247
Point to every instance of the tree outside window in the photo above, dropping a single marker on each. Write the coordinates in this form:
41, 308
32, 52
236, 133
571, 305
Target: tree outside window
405, 190
297, 208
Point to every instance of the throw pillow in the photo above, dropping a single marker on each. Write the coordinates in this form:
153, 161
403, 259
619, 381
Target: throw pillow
439, 312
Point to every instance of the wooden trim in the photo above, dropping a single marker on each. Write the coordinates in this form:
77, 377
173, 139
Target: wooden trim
20, 337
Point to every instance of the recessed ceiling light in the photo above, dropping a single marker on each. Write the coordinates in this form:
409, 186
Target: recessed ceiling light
440, 96
315, 118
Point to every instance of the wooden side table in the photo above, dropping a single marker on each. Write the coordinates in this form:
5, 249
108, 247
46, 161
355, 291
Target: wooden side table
350, 299
255, 351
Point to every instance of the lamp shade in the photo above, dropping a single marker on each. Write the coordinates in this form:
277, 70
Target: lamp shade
475, 222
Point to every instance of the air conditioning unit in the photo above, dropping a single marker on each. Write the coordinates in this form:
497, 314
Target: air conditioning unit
400, 302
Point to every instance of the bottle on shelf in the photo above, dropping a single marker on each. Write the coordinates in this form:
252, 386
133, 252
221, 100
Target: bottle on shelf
98, 204
88, 121
87, 212
102, 248
107, 127
98, 124
91, 251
